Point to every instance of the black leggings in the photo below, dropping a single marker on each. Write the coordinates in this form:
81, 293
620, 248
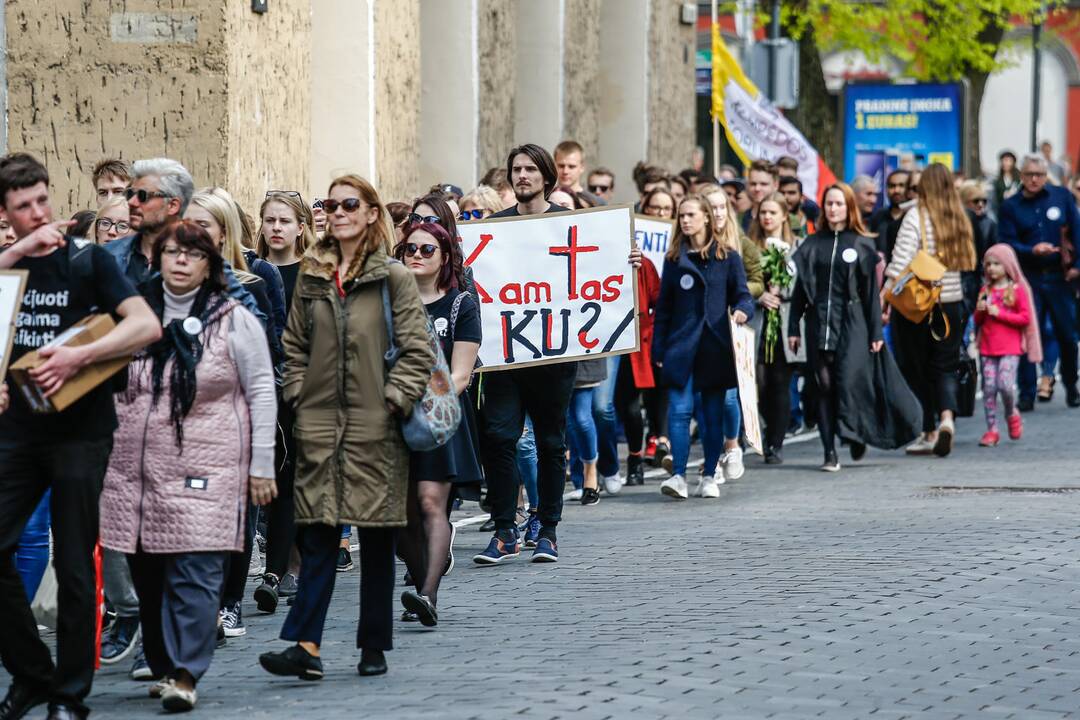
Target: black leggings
656, 406
774, 392
628, 405
236, 563
823, 365
931, 366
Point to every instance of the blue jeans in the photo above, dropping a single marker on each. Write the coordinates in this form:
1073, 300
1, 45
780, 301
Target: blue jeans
581, 432
716, 421
1051, 352
796, 401
32, 554
1054, 301
603, 410
526, 462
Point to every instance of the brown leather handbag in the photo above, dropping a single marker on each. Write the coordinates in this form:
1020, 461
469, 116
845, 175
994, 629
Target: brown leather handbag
918, 289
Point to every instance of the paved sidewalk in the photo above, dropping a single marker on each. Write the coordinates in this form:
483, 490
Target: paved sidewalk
797, 594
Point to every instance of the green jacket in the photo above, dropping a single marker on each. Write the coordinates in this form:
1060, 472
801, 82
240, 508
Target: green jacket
352, 465
751, 258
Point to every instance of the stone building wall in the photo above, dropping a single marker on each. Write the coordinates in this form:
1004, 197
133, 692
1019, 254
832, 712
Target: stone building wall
497, 40
269, 100
87, 80
397, 97
581, 65
672, 104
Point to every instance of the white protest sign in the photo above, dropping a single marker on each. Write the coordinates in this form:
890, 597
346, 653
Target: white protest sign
12, 287
743, 342
553, 287
652, 235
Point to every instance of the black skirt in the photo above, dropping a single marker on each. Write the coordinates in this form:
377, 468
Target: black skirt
458, 460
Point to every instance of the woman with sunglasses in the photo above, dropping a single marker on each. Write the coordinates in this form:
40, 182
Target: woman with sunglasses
112, 221
434, 209
435, 261
479, 203
352, 464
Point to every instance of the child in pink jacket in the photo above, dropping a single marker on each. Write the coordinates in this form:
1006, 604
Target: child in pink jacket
1007, 328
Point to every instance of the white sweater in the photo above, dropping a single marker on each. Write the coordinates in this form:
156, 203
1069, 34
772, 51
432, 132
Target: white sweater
908, 243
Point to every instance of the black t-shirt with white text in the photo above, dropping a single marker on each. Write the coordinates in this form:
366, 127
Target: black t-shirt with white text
467, 327
58, 296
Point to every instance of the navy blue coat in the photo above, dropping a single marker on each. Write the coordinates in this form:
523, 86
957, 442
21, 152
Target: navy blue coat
1024, 222
690, 297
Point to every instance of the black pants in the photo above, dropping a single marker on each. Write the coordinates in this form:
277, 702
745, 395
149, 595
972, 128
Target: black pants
178, 608
542, 391
318, 571
931, 366
774, 395
280, 529
75, 472
628, 405
656, 406
237, 563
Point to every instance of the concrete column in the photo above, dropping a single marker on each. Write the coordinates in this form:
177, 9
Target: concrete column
449, 93
497, 48
623, 90
538, 111
672, 102
342, 91
396, 42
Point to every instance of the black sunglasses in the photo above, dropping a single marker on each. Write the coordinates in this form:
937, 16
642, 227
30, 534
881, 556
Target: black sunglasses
415, 218
426, 250
467, 215
979, 201
597, 189
144, 195
350, 205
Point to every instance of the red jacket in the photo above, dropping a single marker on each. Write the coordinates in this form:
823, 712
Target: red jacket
1004, 334
648, 295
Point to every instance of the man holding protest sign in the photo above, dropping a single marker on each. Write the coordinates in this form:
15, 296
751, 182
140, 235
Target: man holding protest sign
531, 337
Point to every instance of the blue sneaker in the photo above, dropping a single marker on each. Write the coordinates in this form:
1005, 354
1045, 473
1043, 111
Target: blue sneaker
531, 529
546, 551
499, 550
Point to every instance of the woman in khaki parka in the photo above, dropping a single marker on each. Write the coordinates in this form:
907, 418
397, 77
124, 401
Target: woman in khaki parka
352, 464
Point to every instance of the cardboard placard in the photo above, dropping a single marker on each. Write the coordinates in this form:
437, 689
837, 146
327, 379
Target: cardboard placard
554, 287
743, 342
653, 235
12, 287
83, 332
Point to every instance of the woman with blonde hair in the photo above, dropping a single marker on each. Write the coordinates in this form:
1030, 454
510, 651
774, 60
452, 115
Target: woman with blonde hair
736, 241
112, 221
352, 464
929, 352
479, 203
701, 283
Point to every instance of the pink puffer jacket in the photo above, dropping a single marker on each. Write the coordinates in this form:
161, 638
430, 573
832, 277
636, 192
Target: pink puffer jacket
171, 502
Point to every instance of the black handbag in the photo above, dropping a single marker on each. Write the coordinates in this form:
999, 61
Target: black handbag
967, 383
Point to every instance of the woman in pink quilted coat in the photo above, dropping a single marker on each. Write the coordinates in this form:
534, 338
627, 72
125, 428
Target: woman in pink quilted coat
196, 436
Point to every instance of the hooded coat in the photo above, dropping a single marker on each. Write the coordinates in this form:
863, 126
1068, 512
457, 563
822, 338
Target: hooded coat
836, 290
352, 464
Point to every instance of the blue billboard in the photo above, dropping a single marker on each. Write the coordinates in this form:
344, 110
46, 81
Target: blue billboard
887, 125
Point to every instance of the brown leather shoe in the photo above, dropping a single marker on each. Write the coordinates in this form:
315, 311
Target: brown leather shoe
1045, 393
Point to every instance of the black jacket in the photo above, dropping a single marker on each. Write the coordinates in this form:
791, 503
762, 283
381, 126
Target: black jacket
836, 288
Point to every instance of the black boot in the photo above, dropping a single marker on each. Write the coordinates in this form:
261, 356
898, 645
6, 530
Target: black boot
832, 463
635, 470
372, 662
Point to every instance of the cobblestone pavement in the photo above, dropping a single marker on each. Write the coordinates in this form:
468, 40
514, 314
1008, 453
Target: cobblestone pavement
797, 594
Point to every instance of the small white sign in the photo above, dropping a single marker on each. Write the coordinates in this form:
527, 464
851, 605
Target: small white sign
12, 287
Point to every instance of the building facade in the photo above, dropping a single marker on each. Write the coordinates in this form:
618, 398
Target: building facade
408, 93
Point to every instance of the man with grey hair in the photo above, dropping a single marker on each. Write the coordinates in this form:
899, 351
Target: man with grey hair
1042, 225
160, 192
866, 195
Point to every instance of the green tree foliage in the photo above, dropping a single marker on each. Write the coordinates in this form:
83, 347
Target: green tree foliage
935, 40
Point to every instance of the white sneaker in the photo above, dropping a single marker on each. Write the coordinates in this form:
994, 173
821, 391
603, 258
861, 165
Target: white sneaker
175, 699
707, 487
612, 485
575, 494
674, 486
921, 446
256, 568
733, 464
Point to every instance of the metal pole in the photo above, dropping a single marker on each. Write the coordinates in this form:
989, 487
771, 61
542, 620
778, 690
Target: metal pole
1036, 72
774, 36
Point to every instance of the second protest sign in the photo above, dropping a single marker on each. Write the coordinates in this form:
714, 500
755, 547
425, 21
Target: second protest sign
553, 287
